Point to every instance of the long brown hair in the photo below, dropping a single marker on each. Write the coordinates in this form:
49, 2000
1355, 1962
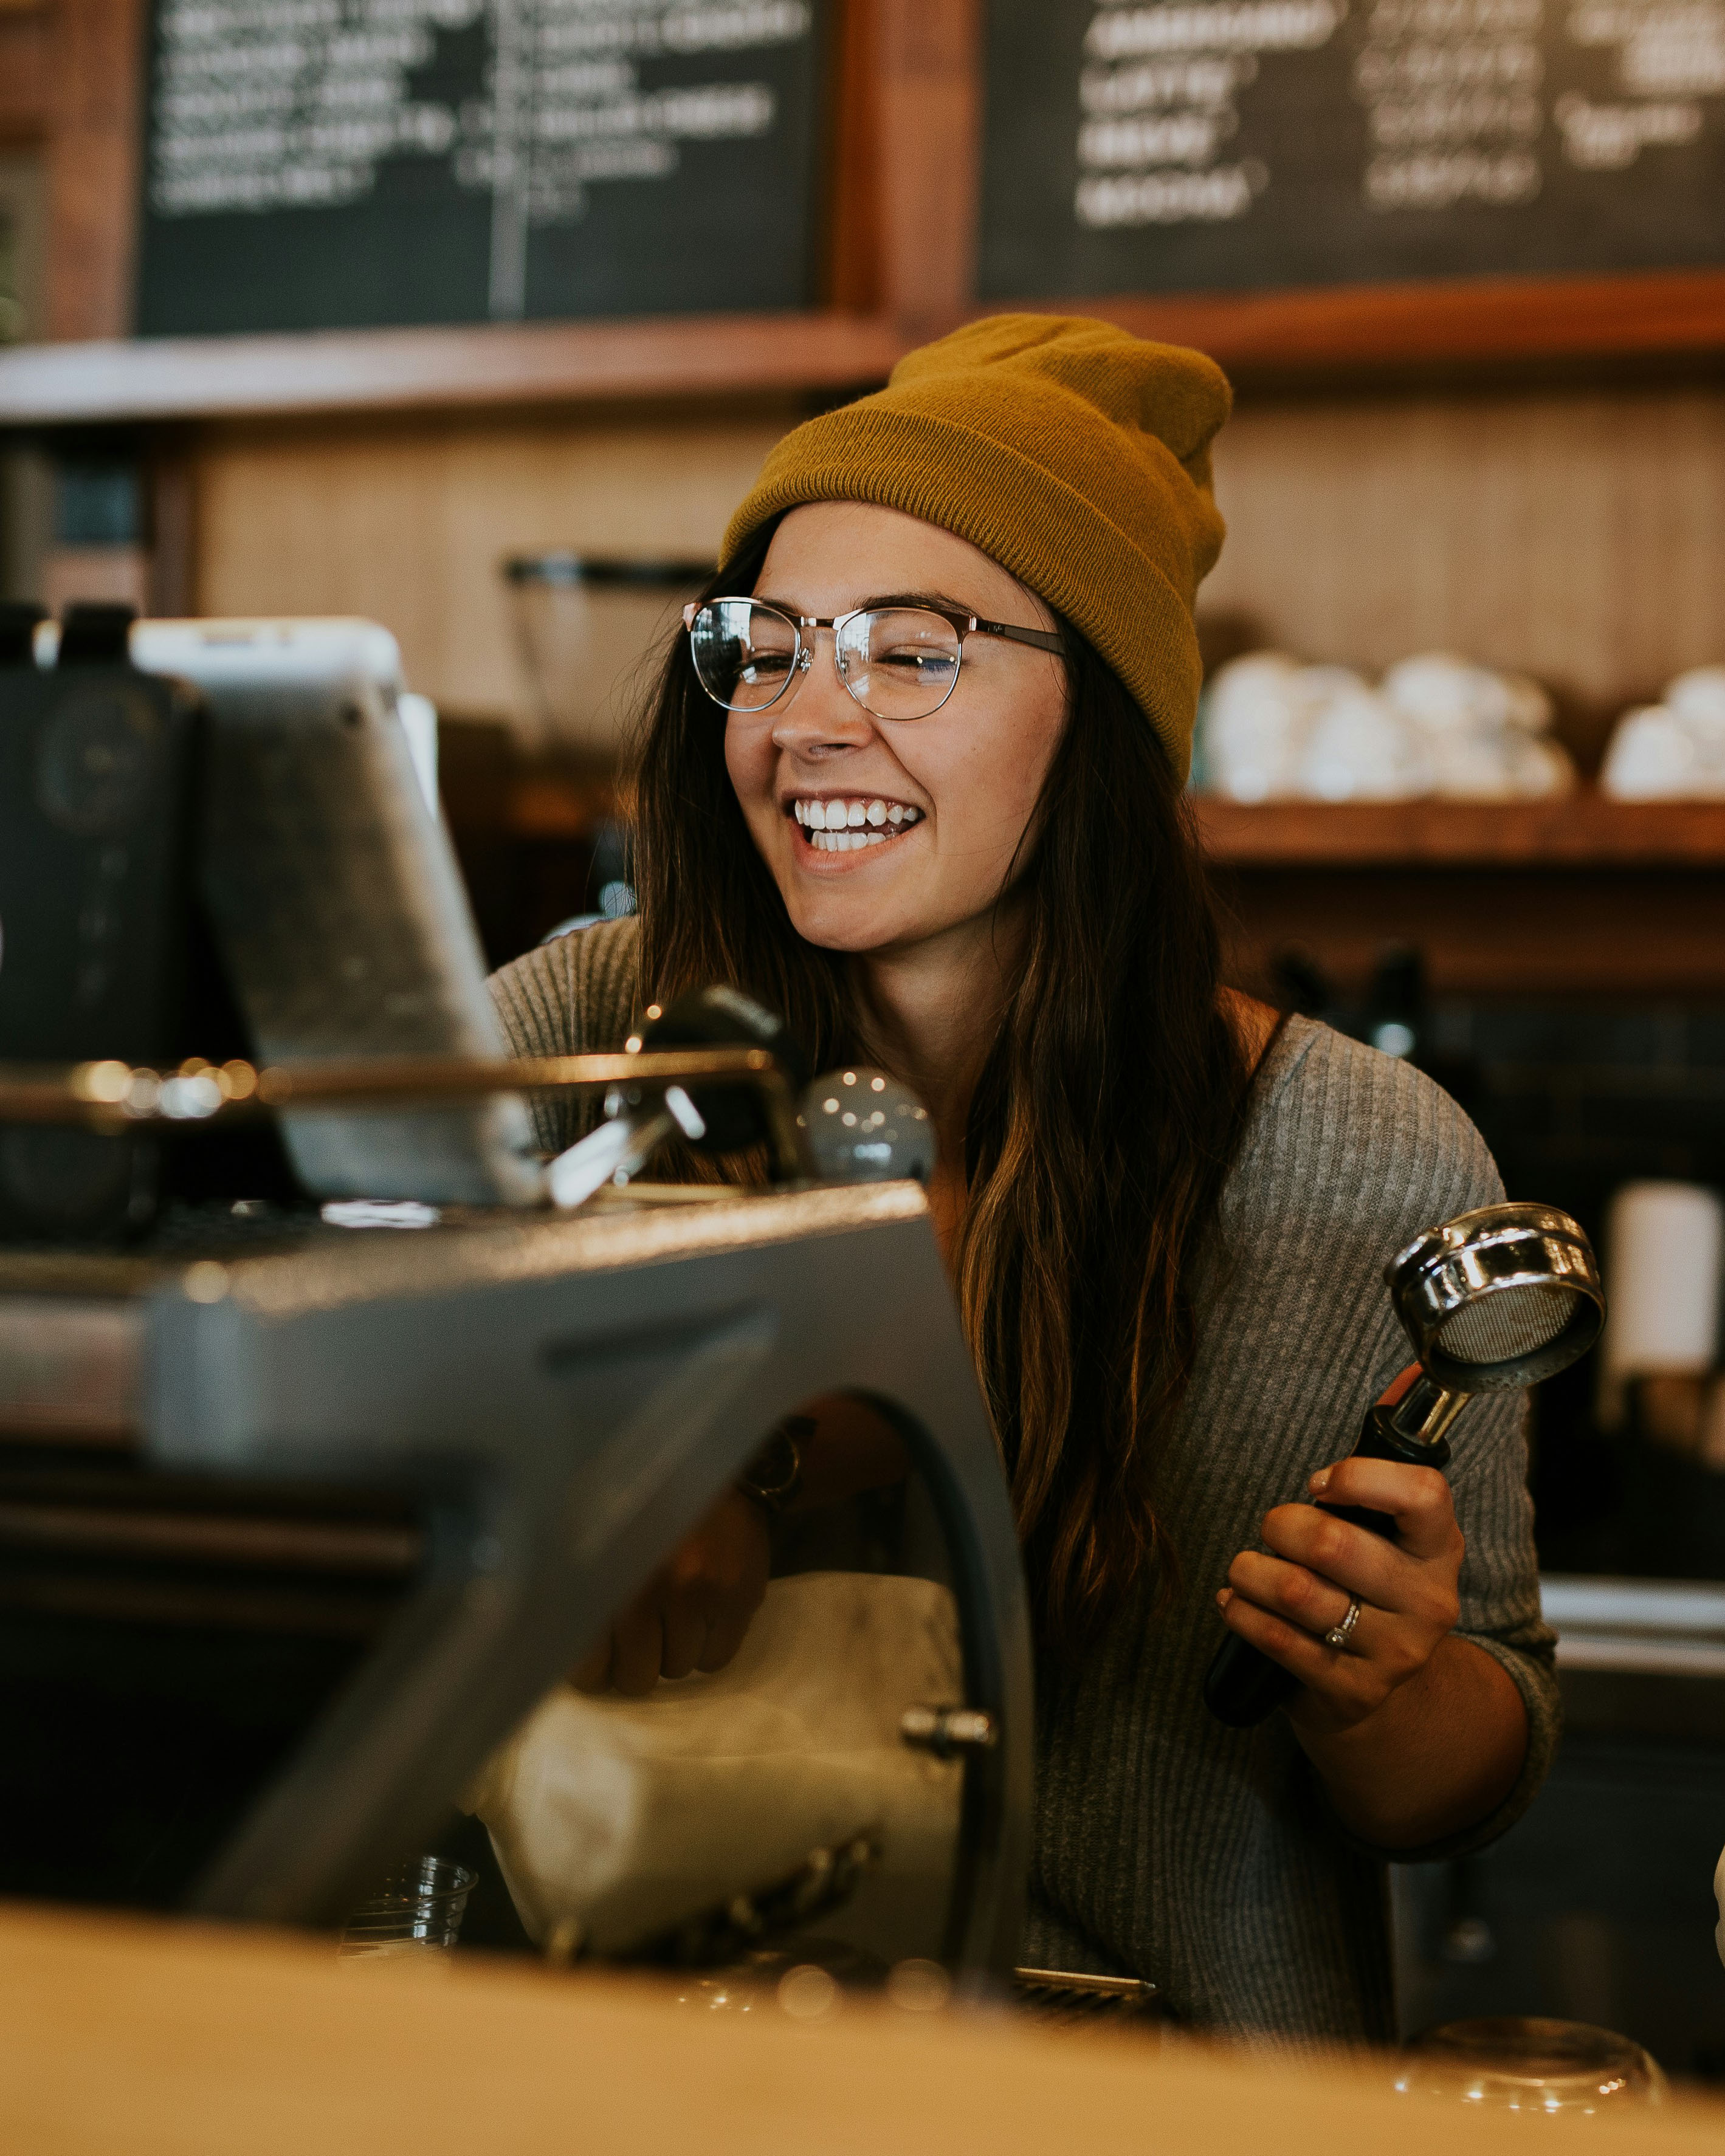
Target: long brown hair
1107, 1115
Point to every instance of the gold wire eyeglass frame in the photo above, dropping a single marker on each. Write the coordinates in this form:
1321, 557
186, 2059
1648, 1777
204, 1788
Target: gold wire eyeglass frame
961, 623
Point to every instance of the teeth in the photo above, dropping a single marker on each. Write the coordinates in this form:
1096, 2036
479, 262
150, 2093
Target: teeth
845, 842
842, 826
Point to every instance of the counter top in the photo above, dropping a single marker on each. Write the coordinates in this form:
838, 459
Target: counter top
155, 2038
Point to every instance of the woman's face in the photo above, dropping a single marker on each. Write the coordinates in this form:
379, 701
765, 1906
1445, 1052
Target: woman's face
966, 781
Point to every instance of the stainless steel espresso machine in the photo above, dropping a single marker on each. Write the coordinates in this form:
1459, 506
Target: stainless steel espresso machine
290, 1293
557, 1401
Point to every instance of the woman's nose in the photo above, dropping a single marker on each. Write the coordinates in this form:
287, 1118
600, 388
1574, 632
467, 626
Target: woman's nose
821, 713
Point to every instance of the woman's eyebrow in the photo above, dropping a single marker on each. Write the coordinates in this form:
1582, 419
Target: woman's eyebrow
881, 599
921, 599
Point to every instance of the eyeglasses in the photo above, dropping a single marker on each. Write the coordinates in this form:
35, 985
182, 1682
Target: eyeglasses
898, 662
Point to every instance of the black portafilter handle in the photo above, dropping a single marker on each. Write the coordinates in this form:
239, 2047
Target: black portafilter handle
755, 1106
723, 1017
1243, 1685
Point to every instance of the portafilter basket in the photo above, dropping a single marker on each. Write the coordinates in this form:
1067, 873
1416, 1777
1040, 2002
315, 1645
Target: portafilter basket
1497, 1299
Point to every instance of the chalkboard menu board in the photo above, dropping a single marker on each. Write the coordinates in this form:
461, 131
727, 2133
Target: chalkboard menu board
347, 163
1185, 145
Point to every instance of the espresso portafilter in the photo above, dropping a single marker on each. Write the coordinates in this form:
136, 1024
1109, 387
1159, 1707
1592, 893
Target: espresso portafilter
1491, 1302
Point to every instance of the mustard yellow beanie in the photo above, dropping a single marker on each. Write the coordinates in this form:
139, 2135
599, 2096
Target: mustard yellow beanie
1074, 454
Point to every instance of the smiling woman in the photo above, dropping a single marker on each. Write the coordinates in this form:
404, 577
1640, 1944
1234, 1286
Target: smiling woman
912, 776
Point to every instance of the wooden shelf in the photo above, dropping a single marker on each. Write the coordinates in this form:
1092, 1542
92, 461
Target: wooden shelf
1582, 897
1474, 322
26, 71
1582, 830
550, 363
1259, 337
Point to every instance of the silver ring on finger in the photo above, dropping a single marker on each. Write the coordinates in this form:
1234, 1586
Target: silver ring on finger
1339, 1634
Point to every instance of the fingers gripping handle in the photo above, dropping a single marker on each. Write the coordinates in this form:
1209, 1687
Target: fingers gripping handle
1243, 1685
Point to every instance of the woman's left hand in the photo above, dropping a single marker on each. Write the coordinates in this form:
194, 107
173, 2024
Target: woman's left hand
1285, 1602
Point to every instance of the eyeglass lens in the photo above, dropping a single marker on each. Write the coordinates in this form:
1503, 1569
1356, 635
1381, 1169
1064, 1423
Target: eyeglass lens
898, 662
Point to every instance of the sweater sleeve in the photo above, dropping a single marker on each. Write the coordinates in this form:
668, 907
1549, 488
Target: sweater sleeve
576, 996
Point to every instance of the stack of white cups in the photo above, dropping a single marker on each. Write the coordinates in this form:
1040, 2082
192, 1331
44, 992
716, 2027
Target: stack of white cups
1270, 729
1665, 1261
1674, 750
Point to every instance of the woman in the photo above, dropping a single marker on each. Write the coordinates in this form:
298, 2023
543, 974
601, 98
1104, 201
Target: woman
915, 781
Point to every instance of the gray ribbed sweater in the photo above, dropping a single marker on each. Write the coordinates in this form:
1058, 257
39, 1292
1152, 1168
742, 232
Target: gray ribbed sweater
1207, 1859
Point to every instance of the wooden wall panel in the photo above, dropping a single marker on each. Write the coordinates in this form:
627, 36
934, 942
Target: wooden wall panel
23, 210
853, 238
92, 165
26, 97
907, 120
928, 58
1580, 535
408, 524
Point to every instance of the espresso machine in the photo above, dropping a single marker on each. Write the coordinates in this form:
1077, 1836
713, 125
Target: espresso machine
302, 1336
557, 1402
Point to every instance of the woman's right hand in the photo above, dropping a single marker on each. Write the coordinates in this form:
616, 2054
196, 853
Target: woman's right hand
695, 1610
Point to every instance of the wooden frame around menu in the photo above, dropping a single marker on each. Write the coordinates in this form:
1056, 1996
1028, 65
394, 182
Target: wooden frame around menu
902, 225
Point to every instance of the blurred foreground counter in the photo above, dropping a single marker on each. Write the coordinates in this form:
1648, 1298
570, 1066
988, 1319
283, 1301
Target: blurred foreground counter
173, 2038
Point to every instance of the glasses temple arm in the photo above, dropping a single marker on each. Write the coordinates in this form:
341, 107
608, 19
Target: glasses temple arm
1042, 639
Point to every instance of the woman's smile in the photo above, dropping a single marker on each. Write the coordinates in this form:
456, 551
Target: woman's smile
831, 825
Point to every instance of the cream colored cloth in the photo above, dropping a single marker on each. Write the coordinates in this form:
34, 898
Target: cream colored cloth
1719, 1897
614, 1820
